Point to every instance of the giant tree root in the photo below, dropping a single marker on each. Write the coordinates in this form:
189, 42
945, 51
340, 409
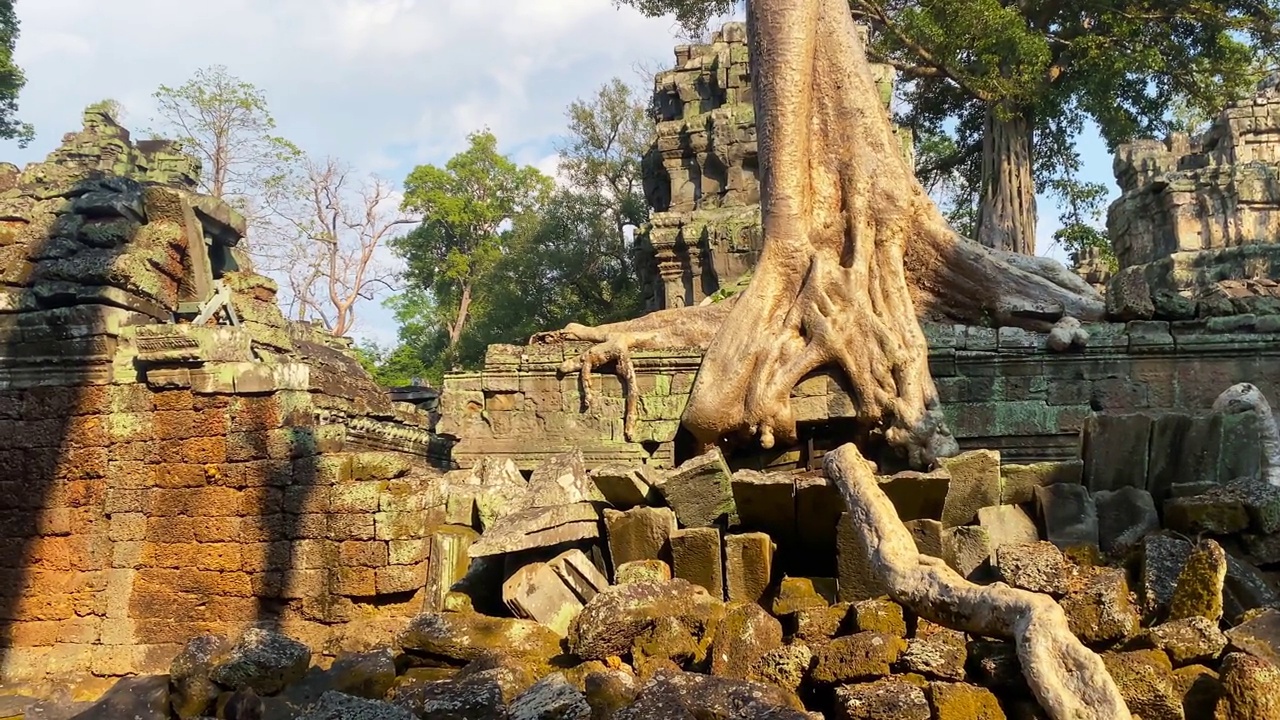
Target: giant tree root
1246, 397
1068, 679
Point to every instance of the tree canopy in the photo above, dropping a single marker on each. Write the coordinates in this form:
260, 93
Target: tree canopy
1012, 84
12, 79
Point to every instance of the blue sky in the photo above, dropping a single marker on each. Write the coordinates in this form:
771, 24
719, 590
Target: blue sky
383, 84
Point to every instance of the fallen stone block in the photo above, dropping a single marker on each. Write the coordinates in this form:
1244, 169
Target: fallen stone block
745, 635
1199, 590
642, 571
748, 560
937, 656
1184, 449
856, 658
886, 698
1245, 589
1163, 557
1019, 482
917, 496
1007, 525
262, 661
1212, 513
1125, 516
1068, 515
695, 556
880, 615
700, 491
1115, 451
1146, 682
960, 701
766, 502
641, 533
551, 698
856, 578
136, 698
1038, 567
1192, 640
623, 487
927, 535
1259, 636
460, 638
562, 480
1103, 611
797, 593
967, 550
536, 592
579, 574
539, 527
974, 484
610, 624
1249, 689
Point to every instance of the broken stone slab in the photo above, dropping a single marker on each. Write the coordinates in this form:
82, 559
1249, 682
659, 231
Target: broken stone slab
450, 560
460, 505
579, 574
1125, 516
1246, 588
886, 698
1007, 525
611, 622
1259, 635
798, 593
1038, 567
974, 484
551, 698
766, 502
1103, 611
856, 578
916, 495
193, 691
1212, 513
1199, 590
1184, 448
967, 550
695, 556
460, 638
927, 535
263, 661
562, 480
1019, 482
492, 503
539, 527
1115, 451
1192, 640
623, 487
1068, 515
642, 571
536, 592
860, 657
641, 533
700, 491
748, 561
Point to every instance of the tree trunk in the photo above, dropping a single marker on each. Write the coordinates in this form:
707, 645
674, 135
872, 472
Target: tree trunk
854, 254
464, 307
1067, 678
1007, 205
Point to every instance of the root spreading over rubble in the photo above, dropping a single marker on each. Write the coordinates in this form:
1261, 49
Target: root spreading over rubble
1068, 679
855, 253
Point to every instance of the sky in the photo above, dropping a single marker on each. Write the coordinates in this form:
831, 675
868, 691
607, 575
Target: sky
385, 85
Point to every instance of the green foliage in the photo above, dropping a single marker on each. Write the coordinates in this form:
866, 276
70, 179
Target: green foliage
396, 366
12, 80
226, 123
1082, 204
693, 15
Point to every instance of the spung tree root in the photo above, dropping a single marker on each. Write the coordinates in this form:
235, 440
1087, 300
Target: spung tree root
1067, 678
854, 255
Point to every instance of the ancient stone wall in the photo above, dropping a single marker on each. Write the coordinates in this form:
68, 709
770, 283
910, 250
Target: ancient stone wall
1196, 229
162, 477
701, 175
1001, 390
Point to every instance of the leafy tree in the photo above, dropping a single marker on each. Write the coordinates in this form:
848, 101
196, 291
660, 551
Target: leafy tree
226, 123
464, 207
12, 79
111, 107
1018, 79
397, 366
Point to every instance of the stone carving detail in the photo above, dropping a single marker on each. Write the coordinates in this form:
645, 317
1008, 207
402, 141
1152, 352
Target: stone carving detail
1197, 227
701, 173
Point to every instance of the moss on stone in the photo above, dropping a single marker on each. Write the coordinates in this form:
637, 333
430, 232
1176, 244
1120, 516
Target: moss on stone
959, 701
1200, 584
880, 615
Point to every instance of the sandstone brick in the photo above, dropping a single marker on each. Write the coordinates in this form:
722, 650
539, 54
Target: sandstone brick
404, 526
359, 497
307, 527
308, 499
267, 557
127, 501
127, 526
354, 582
400, 578
86, 431
407, 552
204, 450
39, 633
177, 475
264, 528
255, 473
363, 554
126, 554
84, 463
117, 632
41, 607
80, 630
351, 527
173, 400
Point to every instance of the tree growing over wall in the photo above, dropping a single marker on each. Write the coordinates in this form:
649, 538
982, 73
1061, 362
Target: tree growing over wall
1014, 82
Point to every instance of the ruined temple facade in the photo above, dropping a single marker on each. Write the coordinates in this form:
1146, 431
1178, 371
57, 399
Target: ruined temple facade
1196, 229
175, 457
701, 176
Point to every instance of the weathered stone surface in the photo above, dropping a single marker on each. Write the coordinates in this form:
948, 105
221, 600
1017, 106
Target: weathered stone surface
927, 535
1163, 557
193, 689
562, 480
1068, 515
460, 638
821, 622
1039, 567
1245, 589
608, 691
974, 484
995, 665
262, 661
639, 534
1200, 584
642, 571
819, 508
539, 527
536, 592
797, 593
1259, 635
700, 491
137, 698
1019, 482
623, 487
551, 698
941, 655
766, 502
967, 550
864, 656
1191, 640
880, 615
958, 701
857, 579
1125, 516
1146, 682
1213, 514
1115, 451
450, 560
1184, 449
1103, 611
1249, 689
673, 695
612, 620
1007, 525
787, 666
887, 699
745, 635
1200, 690
748, 566
478, 696
921, 496
338, 706
696, 557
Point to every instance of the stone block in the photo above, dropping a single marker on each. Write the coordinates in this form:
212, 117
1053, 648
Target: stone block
700, 491
1184, 449
748, 559
642, 571
1241, 452
967, 550
1018, 482
1038, 567
640, 533
1115, 449
449, 562
766, 502
819, 507
855, 578
579, 574
539, 527
1125, 516
1007, 525
623, 487
1163, 557
562, 480
918, 496
975, 484
695, 556
1068, 515
536, 592
886, 698
1259, 636
927, 535
1103, 610
1211, 513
